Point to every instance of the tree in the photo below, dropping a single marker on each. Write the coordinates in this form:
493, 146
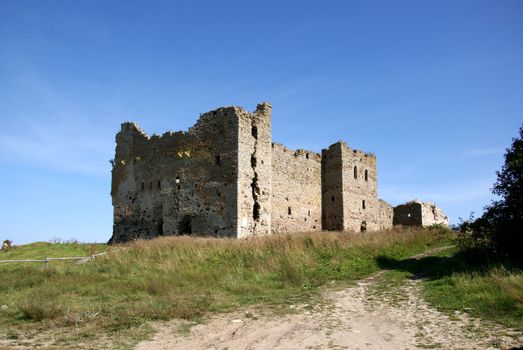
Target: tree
500, 229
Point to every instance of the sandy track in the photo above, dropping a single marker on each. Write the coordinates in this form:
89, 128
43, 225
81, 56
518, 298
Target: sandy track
366, 316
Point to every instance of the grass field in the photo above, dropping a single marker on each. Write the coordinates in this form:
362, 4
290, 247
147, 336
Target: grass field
183, 277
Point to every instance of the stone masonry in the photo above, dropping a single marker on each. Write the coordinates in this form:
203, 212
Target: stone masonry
417, 213
225, 177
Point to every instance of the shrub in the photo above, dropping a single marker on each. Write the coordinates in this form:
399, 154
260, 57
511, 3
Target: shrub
498, 231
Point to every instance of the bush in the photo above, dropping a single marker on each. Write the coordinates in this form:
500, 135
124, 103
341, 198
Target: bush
498, 231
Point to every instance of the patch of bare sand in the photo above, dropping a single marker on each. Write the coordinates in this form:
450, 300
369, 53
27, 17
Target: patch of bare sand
358, 317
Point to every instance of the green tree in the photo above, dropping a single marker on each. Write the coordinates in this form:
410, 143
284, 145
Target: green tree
499, 229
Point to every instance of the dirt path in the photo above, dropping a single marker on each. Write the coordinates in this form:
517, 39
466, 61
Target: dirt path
370, 315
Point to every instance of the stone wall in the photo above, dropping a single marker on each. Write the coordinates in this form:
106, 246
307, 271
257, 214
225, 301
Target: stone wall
296, 190
255, 171
331, 188
386, 214
350, 195
177, 183
360, 187
417, 213
432, 215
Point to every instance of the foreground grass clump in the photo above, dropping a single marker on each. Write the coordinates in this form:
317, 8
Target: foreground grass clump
491, 291
456, 280
184, 277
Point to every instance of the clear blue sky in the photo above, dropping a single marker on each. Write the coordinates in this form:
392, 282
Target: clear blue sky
434, 88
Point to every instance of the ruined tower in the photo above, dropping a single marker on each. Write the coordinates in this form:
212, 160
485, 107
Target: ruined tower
349, 189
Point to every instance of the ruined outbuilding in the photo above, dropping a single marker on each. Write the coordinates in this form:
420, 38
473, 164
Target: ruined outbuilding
225, 177
418, 213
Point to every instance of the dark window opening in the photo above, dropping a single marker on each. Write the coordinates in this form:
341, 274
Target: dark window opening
256, 211
332, 198
363, 226
307, 155
253, 161
355, 172
159, 184
309, 213
254, 131
185, 226
363, 204
289, 211
218, 160
218, 193
160, 228
366, 175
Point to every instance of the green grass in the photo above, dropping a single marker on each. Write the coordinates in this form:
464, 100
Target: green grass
452, 281
490, 292
41, 250
184, 277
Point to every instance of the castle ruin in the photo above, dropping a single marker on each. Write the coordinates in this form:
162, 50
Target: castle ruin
225, 177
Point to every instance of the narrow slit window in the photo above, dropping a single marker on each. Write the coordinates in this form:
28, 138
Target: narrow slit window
355, 172
218, 160
159, 184
363, 204
309, 213
333, 199
366, 175
289, 211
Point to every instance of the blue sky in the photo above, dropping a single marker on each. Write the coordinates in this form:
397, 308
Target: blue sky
434, 88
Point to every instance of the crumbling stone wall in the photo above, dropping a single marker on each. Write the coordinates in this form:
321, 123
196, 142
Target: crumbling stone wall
296, 190
331, 188
417, 213
255, 171
177, 183
386, 214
